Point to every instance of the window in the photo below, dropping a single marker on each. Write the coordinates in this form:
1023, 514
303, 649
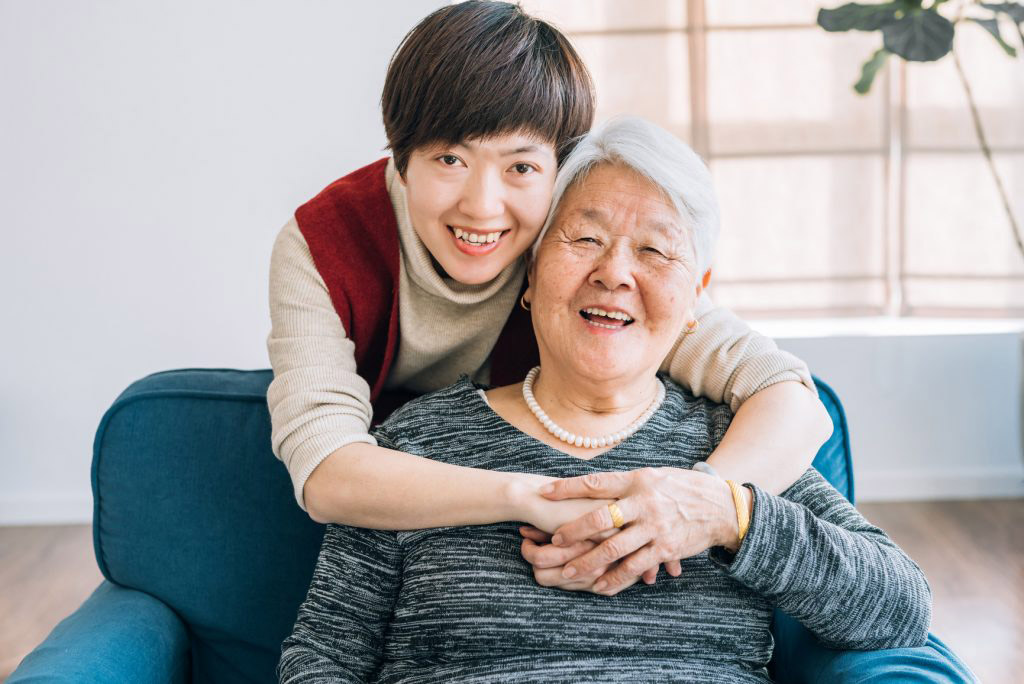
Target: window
832, 203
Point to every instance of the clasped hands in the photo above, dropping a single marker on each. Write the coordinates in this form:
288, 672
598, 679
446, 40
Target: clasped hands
669, 513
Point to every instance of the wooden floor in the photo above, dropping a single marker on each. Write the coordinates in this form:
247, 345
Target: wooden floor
971, 551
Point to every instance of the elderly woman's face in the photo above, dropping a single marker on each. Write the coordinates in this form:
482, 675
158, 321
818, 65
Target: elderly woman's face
617, 246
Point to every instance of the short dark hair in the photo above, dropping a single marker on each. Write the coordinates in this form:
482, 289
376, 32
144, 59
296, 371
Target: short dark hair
482, 68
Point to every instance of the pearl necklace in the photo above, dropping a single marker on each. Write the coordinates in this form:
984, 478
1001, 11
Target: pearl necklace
578, 440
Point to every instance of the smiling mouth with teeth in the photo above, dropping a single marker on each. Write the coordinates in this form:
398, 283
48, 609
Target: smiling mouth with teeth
476, 238
606, 319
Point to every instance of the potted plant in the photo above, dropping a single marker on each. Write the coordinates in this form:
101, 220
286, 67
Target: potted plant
920, 32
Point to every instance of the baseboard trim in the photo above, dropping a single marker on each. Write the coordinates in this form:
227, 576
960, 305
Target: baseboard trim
941, 484
45, 509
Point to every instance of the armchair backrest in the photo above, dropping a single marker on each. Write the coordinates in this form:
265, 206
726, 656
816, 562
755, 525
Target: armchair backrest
192, 507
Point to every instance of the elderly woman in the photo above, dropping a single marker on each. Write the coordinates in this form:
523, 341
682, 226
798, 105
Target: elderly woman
613, 282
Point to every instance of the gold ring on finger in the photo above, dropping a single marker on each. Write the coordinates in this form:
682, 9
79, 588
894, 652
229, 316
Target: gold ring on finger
617, 518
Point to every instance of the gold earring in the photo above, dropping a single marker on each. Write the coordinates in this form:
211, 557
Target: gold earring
691, 327
523, 303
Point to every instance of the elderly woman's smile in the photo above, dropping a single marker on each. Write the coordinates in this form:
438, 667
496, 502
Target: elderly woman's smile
614, 278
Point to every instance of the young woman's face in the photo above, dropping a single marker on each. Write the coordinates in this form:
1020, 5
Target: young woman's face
478, 205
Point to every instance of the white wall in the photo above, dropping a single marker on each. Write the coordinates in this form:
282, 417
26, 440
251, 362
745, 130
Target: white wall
934, 408
149, 154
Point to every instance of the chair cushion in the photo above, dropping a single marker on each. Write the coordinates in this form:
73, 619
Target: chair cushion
191, 506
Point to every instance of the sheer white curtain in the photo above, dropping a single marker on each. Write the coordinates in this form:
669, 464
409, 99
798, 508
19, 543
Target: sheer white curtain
833, 203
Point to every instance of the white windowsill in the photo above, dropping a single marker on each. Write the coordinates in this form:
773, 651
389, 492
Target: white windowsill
884, 326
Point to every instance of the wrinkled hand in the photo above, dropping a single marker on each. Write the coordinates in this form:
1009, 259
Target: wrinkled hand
669, 513
546, 515
548, 561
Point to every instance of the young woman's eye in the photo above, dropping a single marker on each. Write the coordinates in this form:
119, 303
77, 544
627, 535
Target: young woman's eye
449, 159
524, 169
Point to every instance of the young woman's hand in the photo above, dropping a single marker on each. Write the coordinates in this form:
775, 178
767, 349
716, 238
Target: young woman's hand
547, 515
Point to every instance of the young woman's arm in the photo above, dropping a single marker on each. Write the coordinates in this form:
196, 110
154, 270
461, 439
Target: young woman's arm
779, 422
773, 438
364, 485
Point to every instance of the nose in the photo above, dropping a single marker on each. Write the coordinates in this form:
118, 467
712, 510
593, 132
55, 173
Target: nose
614, 269
483, 195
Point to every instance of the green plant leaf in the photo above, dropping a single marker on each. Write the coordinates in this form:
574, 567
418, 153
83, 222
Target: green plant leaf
854, 16
1014, 10
992, 26
922, 36
868, 71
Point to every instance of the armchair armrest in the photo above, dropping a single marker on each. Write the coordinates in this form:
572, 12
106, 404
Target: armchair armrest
116, 635
800, 659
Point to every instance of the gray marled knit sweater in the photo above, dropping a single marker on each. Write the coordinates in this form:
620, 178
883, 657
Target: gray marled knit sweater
460, 603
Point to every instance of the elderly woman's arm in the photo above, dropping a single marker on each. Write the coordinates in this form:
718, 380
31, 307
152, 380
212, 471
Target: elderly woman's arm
816, 557
780, 424
339, 633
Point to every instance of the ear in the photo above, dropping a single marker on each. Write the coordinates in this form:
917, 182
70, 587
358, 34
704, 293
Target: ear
703, 284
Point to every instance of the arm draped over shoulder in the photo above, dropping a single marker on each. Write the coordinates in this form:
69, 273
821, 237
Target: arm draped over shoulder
727, 362
318, 402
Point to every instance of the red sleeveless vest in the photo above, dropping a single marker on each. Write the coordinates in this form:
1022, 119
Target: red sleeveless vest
352, 233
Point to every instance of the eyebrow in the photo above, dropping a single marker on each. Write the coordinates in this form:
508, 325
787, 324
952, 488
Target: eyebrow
506, 152
668, 229
520, 150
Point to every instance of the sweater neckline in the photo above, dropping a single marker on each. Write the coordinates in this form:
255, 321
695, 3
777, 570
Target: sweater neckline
419, 264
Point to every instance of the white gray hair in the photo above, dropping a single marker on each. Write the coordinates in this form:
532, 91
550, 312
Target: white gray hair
654, 153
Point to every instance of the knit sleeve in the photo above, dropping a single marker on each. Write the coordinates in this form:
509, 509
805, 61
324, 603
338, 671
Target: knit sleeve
318, 402
725, 361
339, 632
814, 555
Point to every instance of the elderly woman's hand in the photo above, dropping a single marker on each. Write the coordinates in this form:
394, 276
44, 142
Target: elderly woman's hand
669, 513
545, 517
549, 560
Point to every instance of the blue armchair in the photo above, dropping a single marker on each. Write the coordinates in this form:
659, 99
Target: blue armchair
207, 557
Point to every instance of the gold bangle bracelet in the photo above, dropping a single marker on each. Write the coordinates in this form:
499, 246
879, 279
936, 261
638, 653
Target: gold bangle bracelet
742, 512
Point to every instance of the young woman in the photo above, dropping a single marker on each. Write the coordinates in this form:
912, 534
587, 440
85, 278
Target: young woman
402, 276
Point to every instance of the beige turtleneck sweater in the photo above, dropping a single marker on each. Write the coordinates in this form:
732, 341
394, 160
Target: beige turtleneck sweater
318, 403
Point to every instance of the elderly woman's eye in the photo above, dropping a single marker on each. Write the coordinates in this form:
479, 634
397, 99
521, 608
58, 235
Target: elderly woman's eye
588, 240
654, 250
